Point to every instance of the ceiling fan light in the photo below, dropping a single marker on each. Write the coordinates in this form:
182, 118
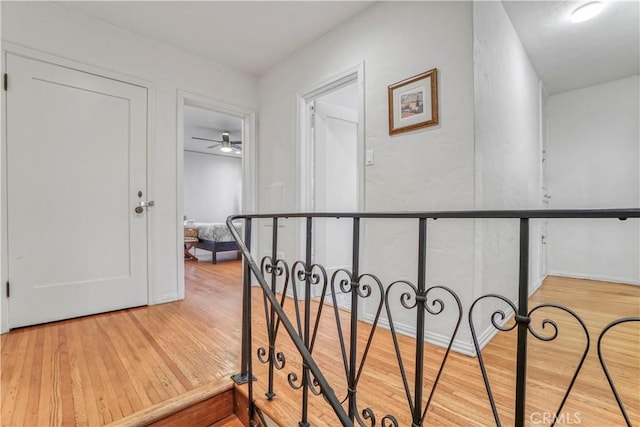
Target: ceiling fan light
586, 12
226, 149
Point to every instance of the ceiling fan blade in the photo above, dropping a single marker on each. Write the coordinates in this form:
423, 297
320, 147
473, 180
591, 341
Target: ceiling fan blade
236, 142
205, 139
214, 146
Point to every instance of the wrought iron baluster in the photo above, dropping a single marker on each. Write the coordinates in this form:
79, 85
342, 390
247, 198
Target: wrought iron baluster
353, 338
246, 368
416, 416
418, 298
276, 360
276, 268
523, 320
272, 338
307, 321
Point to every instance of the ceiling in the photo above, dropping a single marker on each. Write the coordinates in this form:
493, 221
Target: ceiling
209, 124
569, 56
248, 35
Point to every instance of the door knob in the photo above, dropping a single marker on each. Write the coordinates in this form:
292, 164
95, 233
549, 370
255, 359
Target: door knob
143, 203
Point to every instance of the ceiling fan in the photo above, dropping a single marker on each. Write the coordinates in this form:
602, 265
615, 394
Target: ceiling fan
226, 145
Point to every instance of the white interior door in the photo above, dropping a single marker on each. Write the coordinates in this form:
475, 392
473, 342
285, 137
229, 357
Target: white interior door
335, 184
76, 160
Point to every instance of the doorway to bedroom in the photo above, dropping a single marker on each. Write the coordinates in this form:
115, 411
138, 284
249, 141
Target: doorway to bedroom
212, 188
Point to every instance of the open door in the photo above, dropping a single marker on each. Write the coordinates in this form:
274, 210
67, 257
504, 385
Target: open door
335, 184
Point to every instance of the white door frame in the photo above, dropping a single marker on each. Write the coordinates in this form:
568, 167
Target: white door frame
305, 154
249, 164
304, 164
8, 47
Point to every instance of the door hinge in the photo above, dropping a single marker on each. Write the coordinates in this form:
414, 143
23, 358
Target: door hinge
8, 289
6, 81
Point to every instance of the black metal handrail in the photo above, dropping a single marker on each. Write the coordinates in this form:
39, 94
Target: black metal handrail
303, 337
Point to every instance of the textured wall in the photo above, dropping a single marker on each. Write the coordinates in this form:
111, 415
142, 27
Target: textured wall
594, 162
507, 137
212, 187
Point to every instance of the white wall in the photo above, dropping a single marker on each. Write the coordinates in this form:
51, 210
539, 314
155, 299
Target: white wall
47, 27
422, 170
212, 187
594, 162
507, 129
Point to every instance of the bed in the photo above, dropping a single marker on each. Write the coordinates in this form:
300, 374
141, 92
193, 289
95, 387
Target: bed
216, 237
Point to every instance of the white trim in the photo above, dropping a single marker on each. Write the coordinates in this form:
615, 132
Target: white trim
60, 61
571, 275
353, 74
535, 287
4, 246
249, 165
150, 213
15, 49
440, 340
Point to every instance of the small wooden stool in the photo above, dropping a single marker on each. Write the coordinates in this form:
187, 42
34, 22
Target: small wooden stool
190, 240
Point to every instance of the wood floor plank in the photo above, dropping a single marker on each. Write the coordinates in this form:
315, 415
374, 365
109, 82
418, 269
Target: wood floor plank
101, 380
23, 392
35, 374
63, 392
83, 390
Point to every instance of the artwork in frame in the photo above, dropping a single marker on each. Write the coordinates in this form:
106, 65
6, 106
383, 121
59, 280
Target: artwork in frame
413, 103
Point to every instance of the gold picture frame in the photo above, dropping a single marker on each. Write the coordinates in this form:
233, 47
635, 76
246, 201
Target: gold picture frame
413, 103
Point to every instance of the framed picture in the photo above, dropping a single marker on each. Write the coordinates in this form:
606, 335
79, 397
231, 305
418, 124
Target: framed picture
413, 103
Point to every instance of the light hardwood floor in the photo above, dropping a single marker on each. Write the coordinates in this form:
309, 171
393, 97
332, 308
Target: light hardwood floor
94, 370
460, 398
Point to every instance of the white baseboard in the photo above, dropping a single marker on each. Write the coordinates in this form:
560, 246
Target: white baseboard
439, 340
535, 287
459, 346
624, 281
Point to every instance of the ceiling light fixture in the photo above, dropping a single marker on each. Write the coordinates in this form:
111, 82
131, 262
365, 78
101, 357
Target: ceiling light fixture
586, 12
226, 147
